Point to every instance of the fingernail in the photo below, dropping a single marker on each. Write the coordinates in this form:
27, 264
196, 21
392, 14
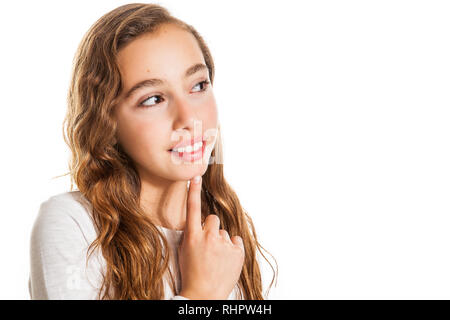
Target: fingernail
197, 179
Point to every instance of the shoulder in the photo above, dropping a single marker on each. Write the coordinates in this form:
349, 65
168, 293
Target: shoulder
64, 214
60, 238
71, 201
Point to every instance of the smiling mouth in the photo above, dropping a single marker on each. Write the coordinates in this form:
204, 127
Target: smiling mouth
190, 153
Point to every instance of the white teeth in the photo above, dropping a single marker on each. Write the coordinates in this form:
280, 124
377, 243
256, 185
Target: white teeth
198, 145
194, 148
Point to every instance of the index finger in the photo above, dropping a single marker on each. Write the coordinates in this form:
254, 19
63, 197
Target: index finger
193, 206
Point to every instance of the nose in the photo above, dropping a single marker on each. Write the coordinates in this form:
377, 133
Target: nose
185, 115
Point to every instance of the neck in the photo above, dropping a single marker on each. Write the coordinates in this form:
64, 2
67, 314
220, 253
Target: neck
165, 202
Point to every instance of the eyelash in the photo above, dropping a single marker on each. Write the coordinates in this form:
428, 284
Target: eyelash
141, 104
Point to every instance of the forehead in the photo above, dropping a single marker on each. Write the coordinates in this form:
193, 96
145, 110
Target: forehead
164, 54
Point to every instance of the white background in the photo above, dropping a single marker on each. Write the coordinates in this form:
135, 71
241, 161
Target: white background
335, 119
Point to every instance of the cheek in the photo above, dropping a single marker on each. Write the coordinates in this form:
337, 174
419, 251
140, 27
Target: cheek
139, 137
210, 114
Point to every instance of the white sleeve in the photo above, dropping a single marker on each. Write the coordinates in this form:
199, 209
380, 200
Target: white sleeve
58, 256
179, 298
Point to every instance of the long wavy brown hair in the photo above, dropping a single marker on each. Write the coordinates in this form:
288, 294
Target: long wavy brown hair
130, 242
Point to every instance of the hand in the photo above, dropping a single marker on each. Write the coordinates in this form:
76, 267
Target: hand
210, 262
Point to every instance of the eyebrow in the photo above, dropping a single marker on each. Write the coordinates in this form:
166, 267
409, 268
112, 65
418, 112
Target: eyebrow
155, 82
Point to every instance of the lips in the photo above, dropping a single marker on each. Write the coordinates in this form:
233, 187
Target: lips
190, 156
187, 143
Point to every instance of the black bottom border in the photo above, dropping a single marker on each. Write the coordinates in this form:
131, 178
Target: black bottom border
230, 309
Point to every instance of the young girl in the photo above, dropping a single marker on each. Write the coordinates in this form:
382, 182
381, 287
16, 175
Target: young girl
142, 122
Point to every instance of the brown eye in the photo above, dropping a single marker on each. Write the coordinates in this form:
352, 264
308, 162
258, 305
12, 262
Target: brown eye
148, 99
205, 85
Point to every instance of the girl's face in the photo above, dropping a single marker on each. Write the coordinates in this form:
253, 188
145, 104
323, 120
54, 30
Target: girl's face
165, 101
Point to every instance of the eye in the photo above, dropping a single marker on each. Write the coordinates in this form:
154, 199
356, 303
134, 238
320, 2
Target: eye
205, 84
149, 99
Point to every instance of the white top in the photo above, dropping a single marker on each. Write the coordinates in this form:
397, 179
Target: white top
61, 235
